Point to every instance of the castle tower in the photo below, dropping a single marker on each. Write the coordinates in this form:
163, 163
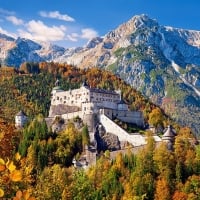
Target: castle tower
20, 119
57, 88
169, 137
122, 105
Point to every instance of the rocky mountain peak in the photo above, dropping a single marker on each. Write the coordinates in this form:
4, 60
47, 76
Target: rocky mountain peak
94, 42
142, 21
6, 37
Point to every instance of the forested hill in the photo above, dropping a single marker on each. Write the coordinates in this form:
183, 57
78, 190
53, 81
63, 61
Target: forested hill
29, 88
36, 163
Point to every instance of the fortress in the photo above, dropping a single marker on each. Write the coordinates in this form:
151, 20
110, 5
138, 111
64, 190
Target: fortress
98, 108
88, 103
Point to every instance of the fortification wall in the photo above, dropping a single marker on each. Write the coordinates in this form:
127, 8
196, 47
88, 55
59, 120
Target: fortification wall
72, 115
135, 139
111, 127
134, 117
62, 109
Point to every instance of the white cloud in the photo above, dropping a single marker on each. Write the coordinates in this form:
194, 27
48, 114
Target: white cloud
73, 37
6, 12
37, 30
7, 33
88, 33
15, 20
56, 15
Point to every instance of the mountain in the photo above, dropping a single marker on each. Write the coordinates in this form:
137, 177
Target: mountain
160, 61
13, 52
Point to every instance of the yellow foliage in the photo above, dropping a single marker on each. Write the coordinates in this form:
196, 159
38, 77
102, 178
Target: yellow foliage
17, 156
1, 193
10, 165
1, 135
16, 176
2, 165
25, 195
2, 162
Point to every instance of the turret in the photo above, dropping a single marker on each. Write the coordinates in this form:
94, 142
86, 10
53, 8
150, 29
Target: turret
85, 84
20, 119
169, 137
57, 88
122, 105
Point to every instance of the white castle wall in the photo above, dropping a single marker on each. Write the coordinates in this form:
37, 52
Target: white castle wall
72, 97
131, 117
72, 115
135, 117
76, 97
135, 139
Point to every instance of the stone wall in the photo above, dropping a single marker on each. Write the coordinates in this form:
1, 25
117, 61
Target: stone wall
62, 109
72, 115
135, 139
134, 117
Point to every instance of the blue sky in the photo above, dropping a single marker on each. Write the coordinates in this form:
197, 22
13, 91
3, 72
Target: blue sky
72, 23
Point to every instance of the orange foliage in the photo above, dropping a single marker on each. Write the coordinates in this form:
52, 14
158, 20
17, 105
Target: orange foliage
179, 196
8, 132
162, 190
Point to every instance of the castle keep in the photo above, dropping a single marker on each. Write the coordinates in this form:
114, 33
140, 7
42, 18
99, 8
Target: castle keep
89, 103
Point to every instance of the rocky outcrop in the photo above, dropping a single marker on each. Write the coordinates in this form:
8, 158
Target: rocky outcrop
106, 141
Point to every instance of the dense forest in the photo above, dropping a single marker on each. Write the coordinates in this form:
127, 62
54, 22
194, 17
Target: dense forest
36, 163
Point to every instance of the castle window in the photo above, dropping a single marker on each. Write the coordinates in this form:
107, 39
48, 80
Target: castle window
57, 98
65, 97
64, 101
72, 102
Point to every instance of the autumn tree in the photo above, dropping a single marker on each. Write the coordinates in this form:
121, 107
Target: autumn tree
164, 163
156, 117
178, 195
162, 190
184, 153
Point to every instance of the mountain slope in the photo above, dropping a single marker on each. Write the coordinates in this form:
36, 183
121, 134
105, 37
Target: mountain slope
13, 52
162, 62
